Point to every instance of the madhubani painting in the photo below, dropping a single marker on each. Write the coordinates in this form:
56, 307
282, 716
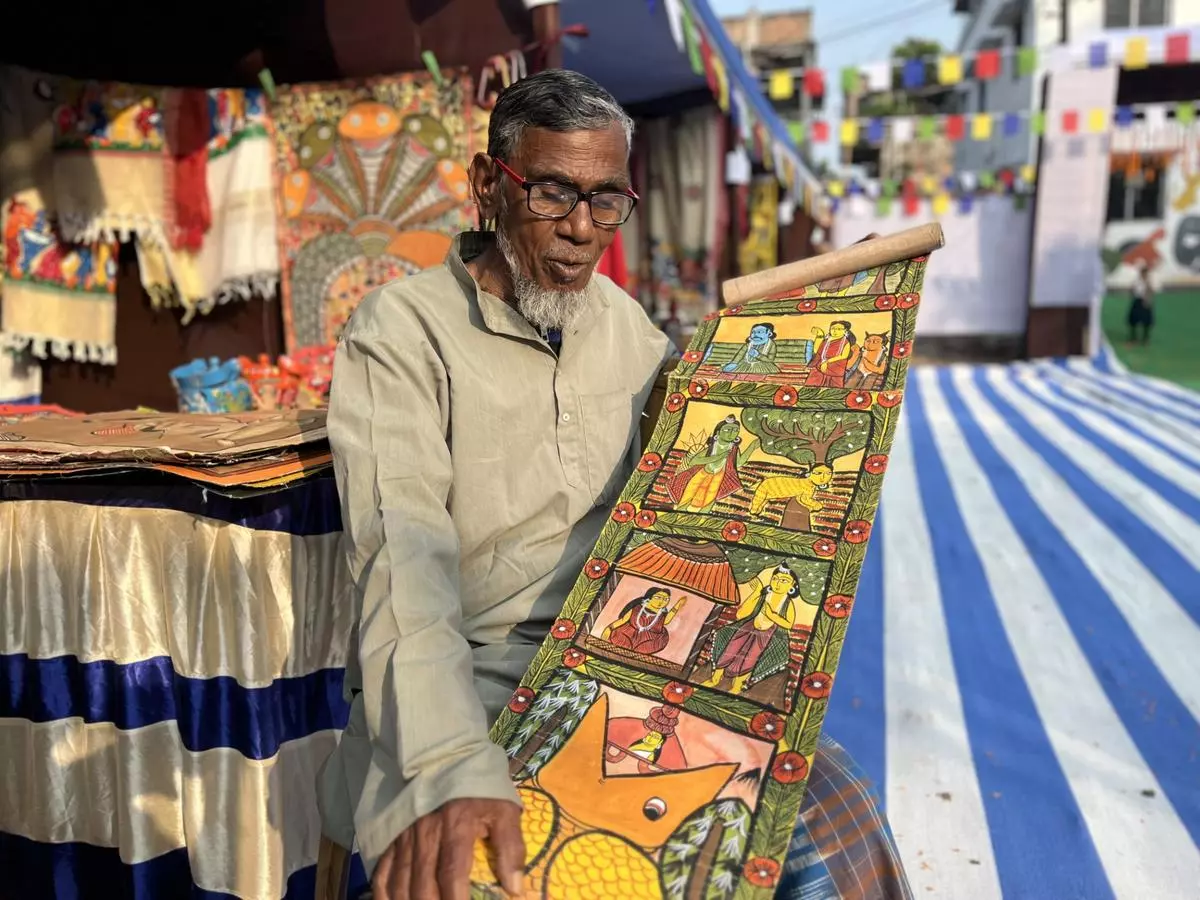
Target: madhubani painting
662, 738
372, 186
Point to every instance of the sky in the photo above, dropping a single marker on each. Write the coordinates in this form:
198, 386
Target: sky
848, 44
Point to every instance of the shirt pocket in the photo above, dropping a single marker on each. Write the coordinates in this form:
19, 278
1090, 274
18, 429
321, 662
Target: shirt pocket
610, 421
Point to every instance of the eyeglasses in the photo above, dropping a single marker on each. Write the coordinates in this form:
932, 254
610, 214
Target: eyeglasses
557, 201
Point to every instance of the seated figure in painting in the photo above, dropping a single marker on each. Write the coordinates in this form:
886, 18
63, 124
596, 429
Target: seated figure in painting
642, 625
478, 449
833, 355
872, 363
709, 472
755, 645
757, 355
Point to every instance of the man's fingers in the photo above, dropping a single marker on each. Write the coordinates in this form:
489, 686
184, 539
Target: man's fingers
454, 866
508, 849
423, 881
402, 867
380, 887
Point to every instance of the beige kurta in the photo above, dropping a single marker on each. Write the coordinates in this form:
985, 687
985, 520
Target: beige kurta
475, 470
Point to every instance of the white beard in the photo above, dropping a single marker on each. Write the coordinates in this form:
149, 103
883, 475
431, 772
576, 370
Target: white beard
543, 308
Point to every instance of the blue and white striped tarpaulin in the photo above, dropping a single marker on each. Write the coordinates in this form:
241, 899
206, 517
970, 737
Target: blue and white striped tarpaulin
1022, 672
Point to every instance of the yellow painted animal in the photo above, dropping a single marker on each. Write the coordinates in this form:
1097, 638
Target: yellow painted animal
801, 488
591, 835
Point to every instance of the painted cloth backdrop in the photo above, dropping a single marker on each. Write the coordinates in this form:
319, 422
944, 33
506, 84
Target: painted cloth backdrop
168, 692
372, 186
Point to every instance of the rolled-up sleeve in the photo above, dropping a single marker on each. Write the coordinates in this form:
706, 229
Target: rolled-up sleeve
388, 431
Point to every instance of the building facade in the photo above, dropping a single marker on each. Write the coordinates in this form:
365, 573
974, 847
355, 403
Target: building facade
1153, 204
774, 42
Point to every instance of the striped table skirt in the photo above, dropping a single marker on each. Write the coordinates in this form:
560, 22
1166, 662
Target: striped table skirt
171, 665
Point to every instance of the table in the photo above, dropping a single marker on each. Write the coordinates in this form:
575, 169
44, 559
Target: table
171, 664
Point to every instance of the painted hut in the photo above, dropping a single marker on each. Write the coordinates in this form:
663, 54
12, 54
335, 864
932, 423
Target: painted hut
699, 580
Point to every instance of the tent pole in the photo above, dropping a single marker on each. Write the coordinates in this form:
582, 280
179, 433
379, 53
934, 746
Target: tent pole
547, 25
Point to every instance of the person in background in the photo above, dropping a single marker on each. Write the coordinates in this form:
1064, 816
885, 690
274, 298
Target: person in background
1141, 305
484, 416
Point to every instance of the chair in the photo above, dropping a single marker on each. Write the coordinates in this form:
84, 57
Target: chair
333, 871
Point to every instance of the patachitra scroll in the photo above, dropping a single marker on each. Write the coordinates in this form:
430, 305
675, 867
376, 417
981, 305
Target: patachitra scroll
662, 738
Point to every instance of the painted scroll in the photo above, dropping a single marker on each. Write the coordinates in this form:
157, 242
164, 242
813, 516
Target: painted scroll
662, 738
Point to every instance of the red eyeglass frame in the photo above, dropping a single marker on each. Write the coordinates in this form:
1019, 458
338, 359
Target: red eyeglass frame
580, 197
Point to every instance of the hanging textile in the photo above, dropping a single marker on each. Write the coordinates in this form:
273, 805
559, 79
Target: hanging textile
612, 263
57, 300
683, 211
239, 256
203, 218
108, 161
187, 209
372, 186
760, 248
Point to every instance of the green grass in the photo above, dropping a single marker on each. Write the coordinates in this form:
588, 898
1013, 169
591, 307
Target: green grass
1174, 349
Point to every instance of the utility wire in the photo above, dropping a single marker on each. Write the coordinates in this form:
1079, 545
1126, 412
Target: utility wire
871, 24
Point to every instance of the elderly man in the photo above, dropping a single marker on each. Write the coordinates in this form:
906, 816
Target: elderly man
484, 416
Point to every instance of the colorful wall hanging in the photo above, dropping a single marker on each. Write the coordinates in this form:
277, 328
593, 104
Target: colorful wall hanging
238, 256
109, 169
372, 185
57, 300
661, 739
117, 177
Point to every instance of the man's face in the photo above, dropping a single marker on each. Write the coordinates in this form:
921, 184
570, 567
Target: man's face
559, 255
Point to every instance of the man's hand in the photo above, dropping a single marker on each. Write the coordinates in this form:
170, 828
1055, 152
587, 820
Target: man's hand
432, 859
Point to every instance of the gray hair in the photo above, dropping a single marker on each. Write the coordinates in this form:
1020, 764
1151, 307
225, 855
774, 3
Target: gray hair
557, 100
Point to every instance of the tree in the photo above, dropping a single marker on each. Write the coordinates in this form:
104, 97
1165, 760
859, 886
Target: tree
808, 438
899, 101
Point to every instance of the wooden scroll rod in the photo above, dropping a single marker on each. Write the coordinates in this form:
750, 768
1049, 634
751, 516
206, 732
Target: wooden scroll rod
855, 258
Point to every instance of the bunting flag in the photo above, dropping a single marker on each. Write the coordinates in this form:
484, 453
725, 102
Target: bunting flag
950, 70
1132, 51
982, 126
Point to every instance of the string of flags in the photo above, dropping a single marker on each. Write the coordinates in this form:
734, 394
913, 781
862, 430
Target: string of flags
985, 125
762, 133
961, 190
1136, 51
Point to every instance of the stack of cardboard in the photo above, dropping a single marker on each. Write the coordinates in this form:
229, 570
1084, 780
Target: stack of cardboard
241, 451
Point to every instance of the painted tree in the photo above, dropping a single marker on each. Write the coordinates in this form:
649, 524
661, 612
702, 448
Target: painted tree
748, 564
805, 437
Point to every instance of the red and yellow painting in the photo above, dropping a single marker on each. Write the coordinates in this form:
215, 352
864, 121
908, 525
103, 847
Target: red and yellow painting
662, 738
